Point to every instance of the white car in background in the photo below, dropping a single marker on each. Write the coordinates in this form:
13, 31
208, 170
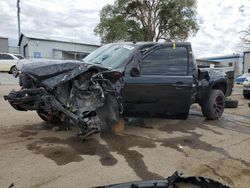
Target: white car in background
246, 87
8, 62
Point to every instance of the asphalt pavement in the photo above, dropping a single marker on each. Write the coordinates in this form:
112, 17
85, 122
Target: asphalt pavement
7, 79
32, 155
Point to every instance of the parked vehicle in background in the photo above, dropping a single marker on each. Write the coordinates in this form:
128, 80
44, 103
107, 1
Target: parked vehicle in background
19, 56
246, 88
8, 62
240, 79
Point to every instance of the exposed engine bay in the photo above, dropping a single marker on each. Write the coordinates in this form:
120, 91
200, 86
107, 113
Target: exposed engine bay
73, 92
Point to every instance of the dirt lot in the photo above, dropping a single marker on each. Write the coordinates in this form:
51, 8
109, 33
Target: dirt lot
32, 155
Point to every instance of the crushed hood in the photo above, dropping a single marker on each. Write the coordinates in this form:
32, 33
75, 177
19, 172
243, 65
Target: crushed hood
53, 73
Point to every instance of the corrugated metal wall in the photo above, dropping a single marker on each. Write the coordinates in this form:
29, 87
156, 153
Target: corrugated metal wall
246, 62
4, 45
51, 49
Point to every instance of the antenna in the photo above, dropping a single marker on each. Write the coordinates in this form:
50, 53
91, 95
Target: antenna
75, 45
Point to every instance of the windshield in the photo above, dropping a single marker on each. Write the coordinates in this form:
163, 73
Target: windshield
111, 55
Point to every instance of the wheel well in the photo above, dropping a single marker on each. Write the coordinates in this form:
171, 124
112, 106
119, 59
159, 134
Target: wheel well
220, 86
11, 68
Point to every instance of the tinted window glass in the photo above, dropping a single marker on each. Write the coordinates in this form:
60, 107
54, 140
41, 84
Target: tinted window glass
19, 56
5, 56
166, 61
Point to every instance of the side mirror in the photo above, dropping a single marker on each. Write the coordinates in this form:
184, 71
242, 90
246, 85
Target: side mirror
135, 65
134, 72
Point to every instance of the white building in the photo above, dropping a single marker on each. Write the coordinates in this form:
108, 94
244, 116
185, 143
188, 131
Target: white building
246, 62
235, 61
38, 46
4, 44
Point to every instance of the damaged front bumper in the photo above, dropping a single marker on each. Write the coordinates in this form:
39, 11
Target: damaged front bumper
26, 99
37, 99
88, 100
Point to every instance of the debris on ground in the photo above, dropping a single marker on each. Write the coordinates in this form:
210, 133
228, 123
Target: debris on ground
174, 181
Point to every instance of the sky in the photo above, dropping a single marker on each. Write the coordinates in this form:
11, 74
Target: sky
220, 22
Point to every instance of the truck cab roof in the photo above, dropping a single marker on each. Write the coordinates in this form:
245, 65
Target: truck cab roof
145, 43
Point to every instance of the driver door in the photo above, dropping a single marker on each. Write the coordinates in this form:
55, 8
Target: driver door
163, 88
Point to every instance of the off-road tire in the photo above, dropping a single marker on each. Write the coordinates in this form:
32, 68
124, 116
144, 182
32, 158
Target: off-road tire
213, 107
231, 103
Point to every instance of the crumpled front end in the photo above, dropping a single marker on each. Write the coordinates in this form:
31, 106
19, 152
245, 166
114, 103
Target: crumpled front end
86, 96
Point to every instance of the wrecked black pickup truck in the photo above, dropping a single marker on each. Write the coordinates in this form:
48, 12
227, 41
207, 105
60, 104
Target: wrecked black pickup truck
121, 79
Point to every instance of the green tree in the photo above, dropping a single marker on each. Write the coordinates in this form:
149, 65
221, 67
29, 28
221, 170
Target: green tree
245, 38
147, 20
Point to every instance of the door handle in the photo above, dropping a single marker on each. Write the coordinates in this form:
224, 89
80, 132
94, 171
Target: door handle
179, 85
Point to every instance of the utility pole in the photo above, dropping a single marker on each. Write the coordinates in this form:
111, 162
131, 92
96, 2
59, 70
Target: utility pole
75, 45
18, 18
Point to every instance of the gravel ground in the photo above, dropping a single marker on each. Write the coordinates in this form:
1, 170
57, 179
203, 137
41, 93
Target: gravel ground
32, 155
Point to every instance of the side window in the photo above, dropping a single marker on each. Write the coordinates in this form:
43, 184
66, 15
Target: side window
19, 56
166, 61
1, 56
6, 57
